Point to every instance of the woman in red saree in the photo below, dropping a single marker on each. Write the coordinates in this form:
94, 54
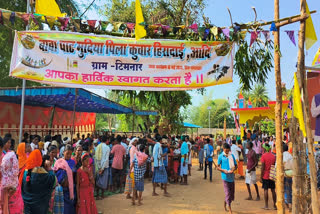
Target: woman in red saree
85, 188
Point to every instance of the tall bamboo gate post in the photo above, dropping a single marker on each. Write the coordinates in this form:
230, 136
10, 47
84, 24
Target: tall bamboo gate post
278, 112
301, 73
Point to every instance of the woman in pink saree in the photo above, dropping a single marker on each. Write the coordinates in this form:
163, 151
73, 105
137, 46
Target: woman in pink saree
10, 188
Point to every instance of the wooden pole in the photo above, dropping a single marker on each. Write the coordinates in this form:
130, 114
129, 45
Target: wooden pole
303, 86
133, 117
296, 165
74, 113
311, 68
52, 117
278, 113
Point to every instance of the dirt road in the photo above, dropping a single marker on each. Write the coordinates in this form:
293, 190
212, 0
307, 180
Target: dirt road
199, 197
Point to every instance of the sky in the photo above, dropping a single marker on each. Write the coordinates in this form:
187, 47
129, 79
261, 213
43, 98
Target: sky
242, 12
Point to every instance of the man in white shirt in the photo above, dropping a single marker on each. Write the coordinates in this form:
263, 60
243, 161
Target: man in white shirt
124, 143
102, 158
271, 143
235, 150
35, 141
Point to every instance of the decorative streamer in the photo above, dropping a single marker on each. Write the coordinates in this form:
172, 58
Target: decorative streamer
226, 32
104, 25
165, 29
50, 20
273, 27
130, 27
140, 31
92, 24
25, 17
1, 17
266, 35
64, 22
12, 17
311, 36
35, 20
254, 36
194, 27
290, 33
214, 31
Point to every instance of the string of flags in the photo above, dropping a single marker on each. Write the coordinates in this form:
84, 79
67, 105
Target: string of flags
193, 32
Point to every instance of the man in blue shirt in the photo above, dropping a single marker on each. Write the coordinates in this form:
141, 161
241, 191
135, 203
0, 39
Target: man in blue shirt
208, 153
227, 165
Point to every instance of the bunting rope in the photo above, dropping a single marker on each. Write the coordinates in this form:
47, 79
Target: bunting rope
191, 33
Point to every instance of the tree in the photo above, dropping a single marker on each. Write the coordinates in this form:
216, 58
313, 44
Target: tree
259, 96
159, 11
268, 126
7, 37
166, 103
101, 122
220, 109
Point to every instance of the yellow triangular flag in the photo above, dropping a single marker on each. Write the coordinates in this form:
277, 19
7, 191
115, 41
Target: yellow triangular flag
297, 105
140, 32
48, 8
311, 36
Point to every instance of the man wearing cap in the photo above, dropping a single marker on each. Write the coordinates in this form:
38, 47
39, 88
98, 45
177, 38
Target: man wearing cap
159, 173
65, 141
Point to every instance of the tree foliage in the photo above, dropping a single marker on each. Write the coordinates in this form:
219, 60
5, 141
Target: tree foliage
258, 95
7, 37
169, 12
268, 126
220, 110
253, 63
166, 103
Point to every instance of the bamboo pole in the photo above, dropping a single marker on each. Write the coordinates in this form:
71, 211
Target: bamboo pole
311, 68
296, 165
277, 21
278, 113
303, 86
303, 172
74, 113
293, 20
52, 116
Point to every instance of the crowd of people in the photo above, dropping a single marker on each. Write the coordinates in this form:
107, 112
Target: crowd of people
52, 174
255, 149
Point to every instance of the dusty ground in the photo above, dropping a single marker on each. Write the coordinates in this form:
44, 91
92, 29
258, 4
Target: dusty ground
200, 196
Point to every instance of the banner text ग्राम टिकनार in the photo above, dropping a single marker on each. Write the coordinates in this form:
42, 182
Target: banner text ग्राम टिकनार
77, 60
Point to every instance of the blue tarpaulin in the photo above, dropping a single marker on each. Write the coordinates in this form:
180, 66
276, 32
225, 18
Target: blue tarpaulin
64, 98
189, 125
